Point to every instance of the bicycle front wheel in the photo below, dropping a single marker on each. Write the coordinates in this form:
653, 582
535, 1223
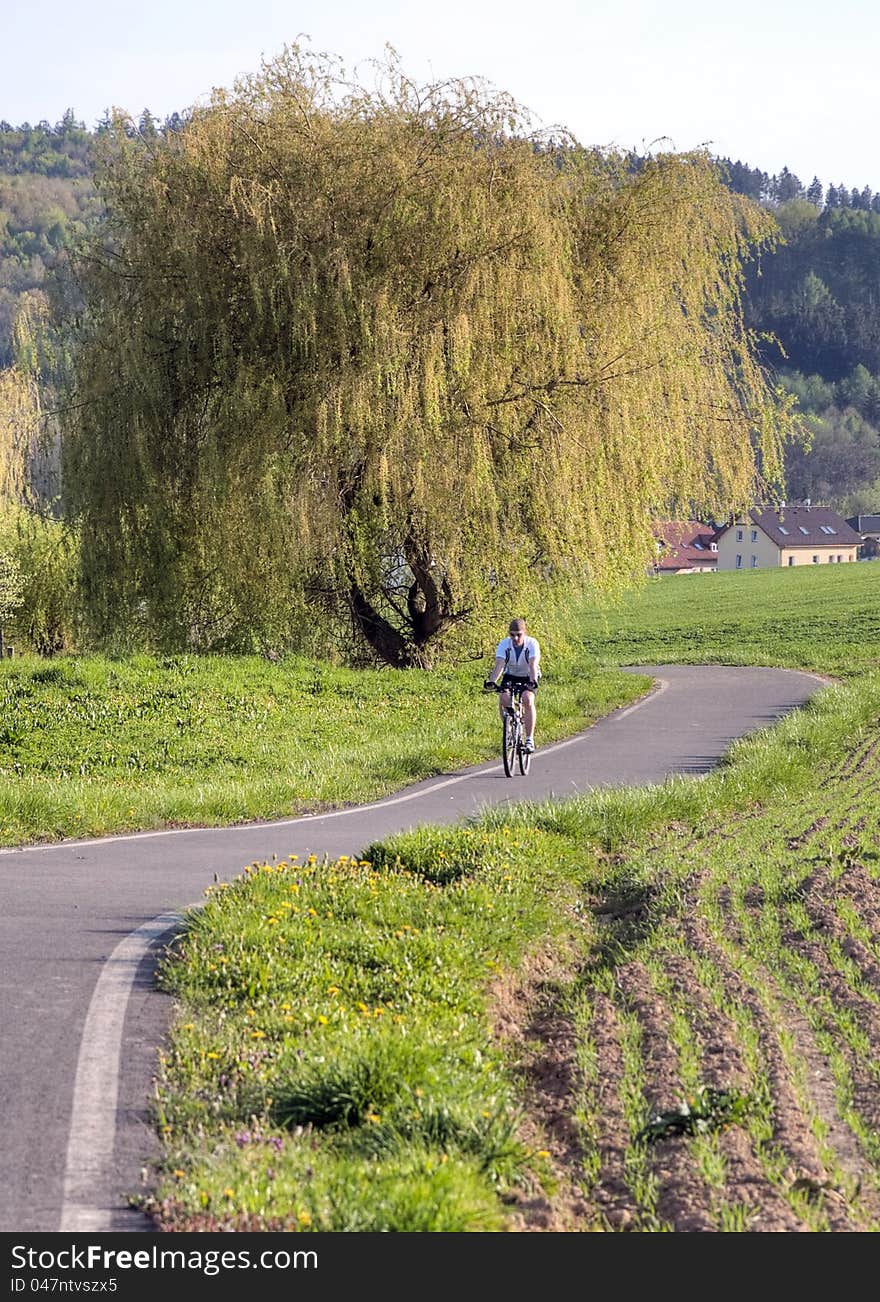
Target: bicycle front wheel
524, 756
508, 744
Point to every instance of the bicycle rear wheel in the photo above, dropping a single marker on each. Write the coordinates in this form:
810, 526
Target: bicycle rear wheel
508, 744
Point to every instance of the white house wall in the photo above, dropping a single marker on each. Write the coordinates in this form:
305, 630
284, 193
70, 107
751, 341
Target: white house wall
762, 548
761, 552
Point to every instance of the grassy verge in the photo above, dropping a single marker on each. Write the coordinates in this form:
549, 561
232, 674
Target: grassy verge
91, 746
639, 1010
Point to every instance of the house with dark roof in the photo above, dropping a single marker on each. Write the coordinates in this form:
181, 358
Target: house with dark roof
868, 529
786, 535
684, 547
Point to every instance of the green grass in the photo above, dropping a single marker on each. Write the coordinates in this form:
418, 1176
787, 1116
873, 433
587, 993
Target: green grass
340, 1060
90, 746
822, 618
360, 1045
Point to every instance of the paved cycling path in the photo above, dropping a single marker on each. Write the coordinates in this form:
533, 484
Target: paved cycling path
79, 923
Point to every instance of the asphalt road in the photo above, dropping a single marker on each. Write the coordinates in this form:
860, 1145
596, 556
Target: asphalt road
80, 923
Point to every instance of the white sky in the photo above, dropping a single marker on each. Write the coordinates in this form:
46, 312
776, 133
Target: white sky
773, 83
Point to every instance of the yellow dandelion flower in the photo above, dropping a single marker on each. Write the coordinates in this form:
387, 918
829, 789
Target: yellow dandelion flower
374, 1117
313, 913
179, 1175
543, 1152
229, 1193
258, 1035
212, 1054
323, 1020
304, 1218
333, 990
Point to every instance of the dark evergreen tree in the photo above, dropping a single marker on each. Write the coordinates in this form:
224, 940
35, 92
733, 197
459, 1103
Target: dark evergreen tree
814, 192
785, 187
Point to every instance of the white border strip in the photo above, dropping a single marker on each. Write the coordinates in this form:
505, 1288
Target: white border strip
89, 1164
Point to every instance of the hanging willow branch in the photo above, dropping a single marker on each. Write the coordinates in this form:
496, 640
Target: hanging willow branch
375, 341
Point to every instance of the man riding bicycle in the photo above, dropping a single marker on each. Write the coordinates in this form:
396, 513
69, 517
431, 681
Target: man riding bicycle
518, 658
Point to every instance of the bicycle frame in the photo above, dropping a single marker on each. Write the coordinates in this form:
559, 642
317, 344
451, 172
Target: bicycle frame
513, 751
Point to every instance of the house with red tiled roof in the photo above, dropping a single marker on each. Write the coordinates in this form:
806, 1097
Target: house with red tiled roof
684, 547
801, 534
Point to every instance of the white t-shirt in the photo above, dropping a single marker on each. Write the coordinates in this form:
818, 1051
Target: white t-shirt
518, 659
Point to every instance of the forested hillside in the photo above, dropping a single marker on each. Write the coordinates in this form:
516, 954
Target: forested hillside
46, 198
818, 295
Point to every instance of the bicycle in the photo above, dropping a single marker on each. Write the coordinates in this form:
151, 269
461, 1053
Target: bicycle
513, 741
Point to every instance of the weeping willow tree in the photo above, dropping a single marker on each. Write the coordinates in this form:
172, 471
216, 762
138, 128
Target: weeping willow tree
379, 365
37, 552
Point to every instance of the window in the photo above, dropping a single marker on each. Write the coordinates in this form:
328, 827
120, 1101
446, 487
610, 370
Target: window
739, 535
754, 562
840, 558
815, 560
754, 535
791, 560
831, 559
802, 529
782, 529
713, 547
826, 528
739, 562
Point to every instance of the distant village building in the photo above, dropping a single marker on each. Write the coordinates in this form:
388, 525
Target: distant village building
868, 529
787, 535
684, 547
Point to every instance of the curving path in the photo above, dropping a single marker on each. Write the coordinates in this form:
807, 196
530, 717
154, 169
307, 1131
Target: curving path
79, 922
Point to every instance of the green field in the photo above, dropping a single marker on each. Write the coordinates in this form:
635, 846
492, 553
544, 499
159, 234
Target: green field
824, 618
654, 1010
638, 1011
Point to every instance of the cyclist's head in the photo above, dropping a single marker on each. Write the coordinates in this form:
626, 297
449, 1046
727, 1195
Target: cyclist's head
517, 627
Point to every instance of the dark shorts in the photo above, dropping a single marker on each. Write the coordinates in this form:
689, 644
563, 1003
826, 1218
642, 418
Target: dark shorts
510, 680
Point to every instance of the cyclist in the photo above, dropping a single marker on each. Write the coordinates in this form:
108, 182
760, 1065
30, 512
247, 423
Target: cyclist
518, 659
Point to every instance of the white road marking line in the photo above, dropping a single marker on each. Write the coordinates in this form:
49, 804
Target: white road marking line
96, 1088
